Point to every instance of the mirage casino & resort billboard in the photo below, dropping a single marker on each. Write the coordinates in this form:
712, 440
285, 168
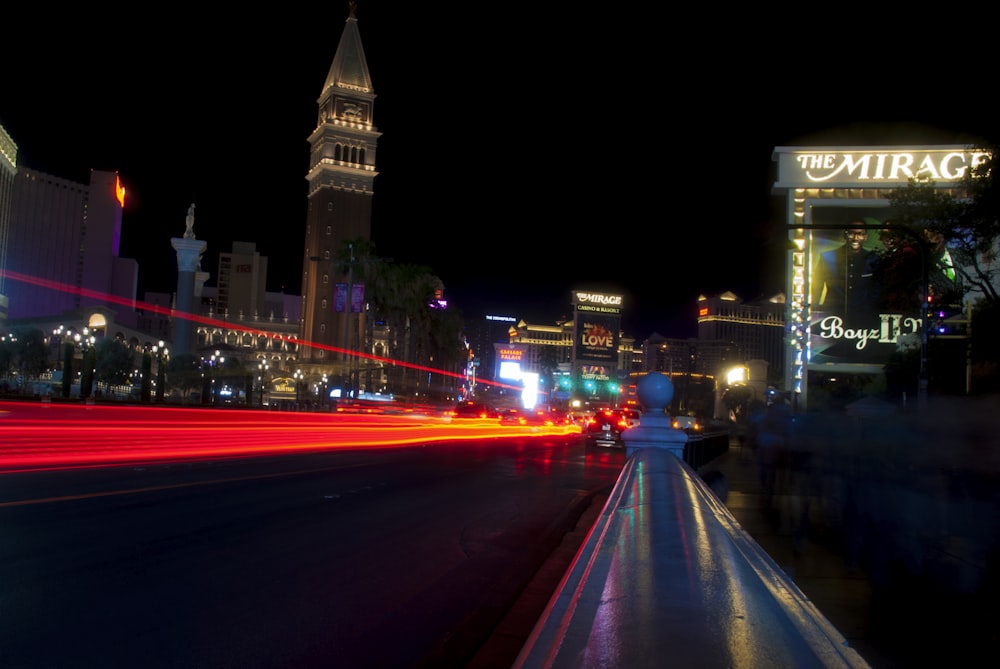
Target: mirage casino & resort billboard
597, 328
854, 277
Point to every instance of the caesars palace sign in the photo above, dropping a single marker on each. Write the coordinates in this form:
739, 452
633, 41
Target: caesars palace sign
836, 167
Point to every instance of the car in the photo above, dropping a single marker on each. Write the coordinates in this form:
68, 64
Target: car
473, 409
687, 423
540, 415
606, 426
631, 415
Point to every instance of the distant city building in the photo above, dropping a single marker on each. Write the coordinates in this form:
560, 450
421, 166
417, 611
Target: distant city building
755, 329
483, 332
241, 282
8, 172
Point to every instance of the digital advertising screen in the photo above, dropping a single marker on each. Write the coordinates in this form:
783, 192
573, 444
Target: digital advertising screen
866, 284
597, 320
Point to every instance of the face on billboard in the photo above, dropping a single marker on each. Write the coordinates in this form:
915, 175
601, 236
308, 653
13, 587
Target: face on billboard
865, 286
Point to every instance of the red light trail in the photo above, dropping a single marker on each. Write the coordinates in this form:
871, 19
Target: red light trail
46, 436
226, 325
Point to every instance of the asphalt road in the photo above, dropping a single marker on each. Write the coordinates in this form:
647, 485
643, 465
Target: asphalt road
405, 557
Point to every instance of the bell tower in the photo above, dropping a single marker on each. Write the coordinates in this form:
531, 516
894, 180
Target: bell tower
341, 176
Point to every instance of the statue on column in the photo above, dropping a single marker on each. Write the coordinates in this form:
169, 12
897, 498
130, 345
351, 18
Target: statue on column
189, 232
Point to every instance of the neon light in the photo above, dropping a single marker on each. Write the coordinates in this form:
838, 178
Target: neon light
119, 192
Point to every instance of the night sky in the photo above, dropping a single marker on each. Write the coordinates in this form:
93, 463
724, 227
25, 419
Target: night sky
526, 150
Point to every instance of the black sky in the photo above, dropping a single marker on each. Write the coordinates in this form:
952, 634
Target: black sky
526, 149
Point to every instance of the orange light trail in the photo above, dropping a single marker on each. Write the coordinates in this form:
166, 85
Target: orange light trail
50, 436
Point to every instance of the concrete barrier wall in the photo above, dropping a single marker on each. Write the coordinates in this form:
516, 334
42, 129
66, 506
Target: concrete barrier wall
667, 577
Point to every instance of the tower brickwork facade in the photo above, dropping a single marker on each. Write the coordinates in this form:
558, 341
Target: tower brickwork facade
340, 188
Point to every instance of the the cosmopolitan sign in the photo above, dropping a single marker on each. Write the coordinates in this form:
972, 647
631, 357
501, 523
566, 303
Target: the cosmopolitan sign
872, 167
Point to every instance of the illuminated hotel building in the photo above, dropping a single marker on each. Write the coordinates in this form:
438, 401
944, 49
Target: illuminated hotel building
483, 332
8, 171
755, 330
70, 232
544, 345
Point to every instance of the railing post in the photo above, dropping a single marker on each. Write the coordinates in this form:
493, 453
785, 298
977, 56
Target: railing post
655, 391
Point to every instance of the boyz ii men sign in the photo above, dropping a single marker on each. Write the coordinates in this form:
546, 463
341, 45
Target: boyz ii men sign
854, 288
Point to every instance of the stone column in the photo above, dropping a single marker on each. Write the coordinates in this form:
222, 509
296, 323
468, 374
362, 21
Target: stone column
189, 252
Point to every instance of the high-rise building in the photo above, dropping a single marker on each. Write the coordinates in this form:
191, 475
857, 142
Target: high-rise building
483, 331
341, 179
8, 171
71, 230
241, 282
756, 329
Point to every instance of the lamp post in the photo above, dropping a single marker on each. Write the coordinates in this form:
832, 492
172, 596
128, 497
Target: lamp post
161, 353
86, 343
262, 368
66, 344
217, 359
298, 386
208, 377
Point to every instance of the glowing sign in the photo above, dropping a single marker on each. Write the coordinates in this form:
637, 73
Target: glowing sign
119, 192
872, 167
599, 298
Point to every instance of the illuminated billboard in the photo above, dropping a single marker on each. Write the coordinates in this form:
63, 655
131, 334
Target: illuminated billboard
508, 361
855, 280
597, 327
865, 286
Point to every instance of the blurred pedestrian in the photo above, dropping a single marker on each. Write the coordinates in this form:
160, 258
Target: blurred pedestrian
772, 446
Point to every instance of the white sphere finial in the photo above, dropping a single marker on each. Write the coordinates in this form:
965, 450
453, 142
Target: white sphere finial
655, 391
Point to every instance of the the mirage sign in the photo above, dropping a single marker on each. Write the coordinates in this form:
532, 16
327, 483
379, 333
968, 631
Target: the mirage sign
597, 317
872, 167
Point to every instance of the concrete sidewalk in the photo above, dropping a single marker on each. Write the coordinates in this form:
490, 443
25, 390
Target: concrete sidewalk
812, 561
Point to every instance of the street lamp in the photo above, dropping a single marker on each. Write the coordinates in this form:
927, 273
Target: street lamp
208, 377
298, 385
86, 343
262, 368
161, 353
66, 343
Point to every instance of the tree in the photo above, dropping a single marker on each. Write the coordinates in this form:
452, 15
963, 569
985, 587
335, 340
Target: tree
185, 373
24, 351
68, 375
114, 362
967, 220
966, 217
